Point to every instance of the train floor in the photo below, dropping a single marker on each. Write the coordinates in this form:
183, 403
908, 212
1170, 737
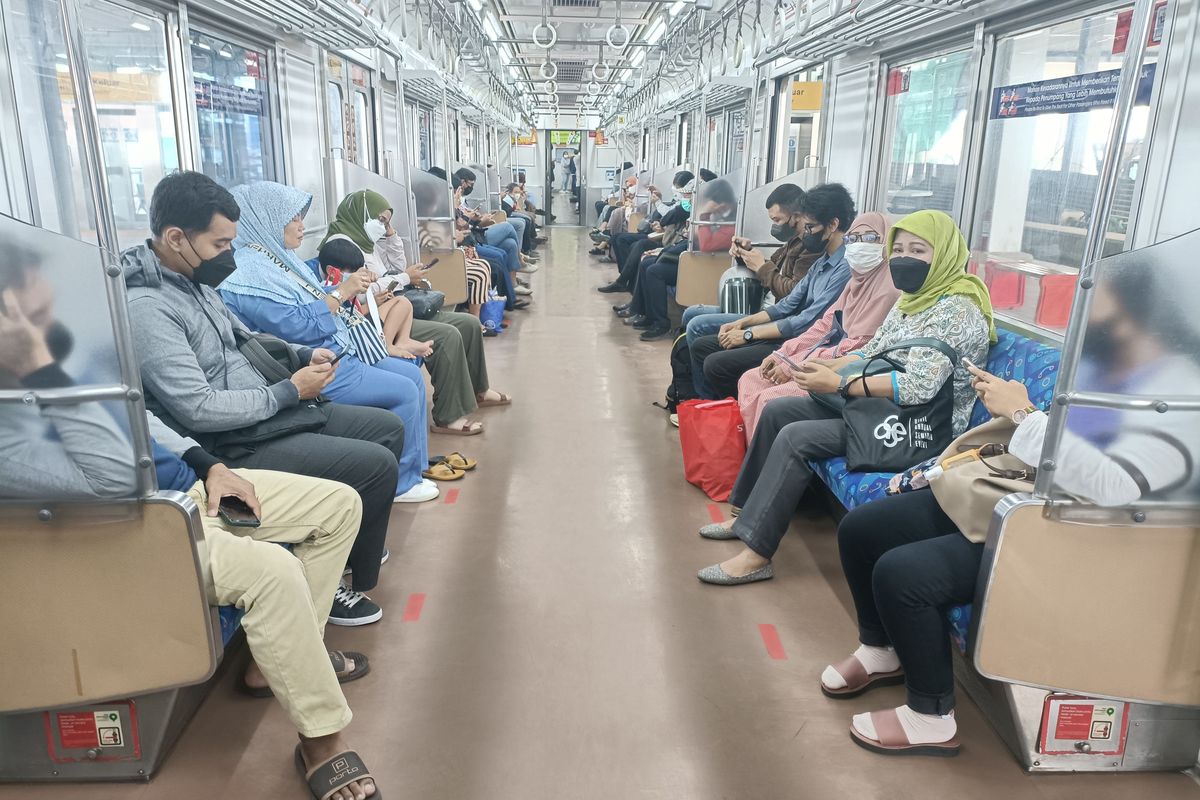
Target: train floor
564, 649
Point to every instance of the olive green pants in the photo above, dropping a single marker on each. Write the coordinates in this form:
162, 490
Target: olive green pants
457, 367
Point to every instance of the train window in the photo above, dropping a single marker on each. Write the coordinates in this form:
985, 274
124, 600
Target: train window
337, 126
925, 125
683, 153
736, 149
799, 120
231, 110
46, 113
127, 55
362, 130
1042, 159
716, 142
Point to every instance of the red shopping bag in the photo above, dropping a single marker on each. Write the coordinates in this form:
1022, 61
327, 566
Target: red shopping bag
713, 437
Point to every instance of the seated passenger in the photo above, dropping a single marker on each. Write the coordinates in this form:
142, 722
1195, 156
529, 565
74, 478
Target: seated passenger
513, 204
79, 452
849, 323
628, 248
719, 360
463, 183
938, 299
906, 562
198, 380
273, 291
340, 267
457, 366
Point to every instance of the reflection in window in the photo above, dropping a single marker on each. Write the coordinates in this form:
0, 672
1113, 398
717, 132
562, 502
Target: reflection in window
48, 117
1043, 150
231, 106
737, 140
927, 107
127, 55
337, 130
804, 94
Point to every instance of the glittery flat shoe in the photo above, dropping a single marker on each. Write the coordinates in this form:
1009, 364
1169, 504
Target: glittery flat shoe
717, 531
716, 575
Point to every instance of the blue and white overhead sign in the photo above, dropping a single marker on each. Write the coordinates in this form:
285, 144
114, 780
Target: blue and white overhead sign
1066, 95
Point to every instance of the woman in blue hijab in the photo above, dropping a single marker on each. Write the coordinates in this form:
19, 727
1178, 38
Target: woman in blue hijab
273, 291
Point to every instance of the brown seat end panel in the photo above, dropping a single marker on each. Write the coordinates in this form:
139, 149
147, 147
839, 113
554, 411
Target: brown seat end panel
1092, 609
116, 605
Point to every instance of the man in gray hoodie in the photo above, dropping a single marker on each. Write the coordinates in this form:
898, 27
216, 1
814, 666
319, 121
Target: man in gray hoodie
198, 381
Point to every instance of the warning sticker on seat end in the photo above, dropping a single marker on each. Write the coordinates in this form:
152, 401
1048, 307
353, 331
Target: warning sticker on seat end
86, 729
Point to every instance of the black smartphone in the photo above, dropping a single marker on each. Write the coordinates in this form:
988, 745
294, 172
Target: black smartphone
786, 360
337, 358
236, 513
432, 264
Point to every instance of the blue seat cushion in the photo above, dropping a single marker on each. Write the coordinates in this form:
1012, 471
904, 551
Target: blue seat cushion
231, 620
1013, 357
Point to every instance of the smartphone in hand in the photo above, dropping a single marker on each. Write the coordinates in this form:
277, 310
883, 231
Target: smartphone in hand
787, 361
236, 513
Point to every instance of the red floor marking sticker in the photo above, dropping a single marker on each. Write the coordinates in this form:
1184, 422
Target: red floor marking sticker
412, 610
451, 497
714, 513
770, 638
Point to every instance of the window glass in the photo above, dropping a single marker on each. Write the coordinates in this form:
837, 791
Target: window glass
127, 55
716, 143
337, 129
1051, 106
362, 130
926, 120
737, 139
231, 110
48, 117
802, 138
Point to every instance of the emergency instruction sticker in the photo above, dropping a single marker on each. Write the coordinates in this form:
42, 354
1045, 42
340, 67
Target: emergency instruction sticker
84, 730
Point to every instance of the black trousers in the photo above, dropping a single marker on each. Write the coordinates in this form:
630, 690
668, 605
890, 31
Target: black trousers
906, 564
724, 368
638, 304
359, 447
630, 267
621, 245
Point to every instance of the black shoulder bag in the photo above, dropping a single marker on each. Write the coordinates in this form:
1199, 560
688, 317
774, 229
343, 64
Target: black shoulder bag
884, 436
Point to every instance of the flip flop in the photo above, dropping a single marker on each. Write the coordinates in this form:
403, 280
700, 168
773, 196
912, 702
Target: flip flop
504, 400
470, 430
456, 461
858, 680
893, 741
334, 774
442, 471
336, 657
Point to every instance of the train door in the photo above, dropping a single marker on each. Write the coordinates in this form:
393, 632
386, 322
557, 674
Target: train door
564, 156
350, 110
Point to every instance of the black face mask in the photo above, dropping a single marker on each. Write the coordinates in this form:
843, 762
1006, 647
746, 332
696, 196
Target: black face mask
468, 189
909, 274
1100, 343
213, 271
59, 341
813, 242
783, 233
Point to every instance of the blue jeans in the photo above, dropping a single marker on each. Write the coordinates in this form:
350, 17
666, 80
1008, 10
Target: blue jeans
703, 321
519, 226
498, 259
504, 237
398, 386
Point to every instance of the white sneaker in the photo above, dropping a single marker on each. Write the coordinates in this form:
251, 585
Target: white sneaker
675, 420
423, 492
523, 290
529, 268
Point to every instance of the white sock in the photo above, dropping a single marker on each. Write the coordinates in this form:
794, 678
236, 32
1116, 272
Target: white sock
873, 659
919, 728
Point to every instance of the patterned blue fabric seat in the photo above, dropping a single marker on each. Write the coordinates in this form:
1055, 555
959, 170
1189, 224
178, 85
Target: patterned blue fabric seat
231, 620
1013, 357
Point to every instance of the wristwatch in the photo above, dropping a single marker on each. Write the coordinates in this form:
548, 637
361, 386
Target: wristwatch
748, 335
844, 387
1021, 415
338, 295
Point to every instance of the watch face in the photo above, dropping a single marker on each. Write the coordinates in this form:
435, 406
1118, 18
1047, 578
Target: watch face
1019, 416
748, 336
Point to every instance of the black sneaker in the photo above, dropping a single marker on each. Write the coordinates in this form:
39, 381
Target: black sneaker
351, 608
655, 332
612, 288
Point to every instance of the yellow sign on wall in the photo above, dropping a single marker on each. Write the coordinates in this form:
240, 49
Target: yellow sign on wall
526, 139
806, 95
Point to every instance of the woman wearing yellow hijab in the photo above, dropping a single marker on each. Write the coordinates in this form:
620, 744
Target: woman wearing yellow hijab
939, 300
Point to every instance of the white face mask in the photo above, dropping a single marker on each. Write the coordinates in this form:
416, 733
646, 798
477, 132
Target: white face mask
374, 229
864, 257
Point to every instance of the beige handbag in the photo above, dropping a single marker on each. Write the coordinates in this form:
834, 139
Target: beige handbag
969, 489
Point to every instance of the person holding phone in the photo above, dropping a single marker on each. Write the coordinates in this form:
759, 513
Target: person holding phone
457, 367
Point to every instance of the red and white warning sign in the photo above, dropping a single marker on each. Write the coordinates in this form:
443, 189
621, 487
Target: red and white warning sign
101, 733
1083, 726
86, 729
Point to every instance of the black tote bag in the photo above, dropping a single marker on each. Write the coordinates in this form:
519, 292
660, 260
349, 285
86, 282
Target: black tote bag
884, 436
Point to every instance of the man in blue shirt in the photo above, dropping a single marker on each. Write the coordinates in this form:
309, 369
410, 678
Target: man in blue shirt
742, 344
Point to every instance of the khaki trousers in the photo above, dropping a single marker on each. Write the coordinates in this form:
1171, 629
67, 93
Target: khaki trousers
287, 596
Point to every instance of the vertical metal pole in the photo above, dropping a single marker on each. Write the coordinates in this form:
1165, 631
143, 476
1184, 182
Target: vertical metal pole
407, 168
446, 153
1139, 30
92, 157
750, 163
